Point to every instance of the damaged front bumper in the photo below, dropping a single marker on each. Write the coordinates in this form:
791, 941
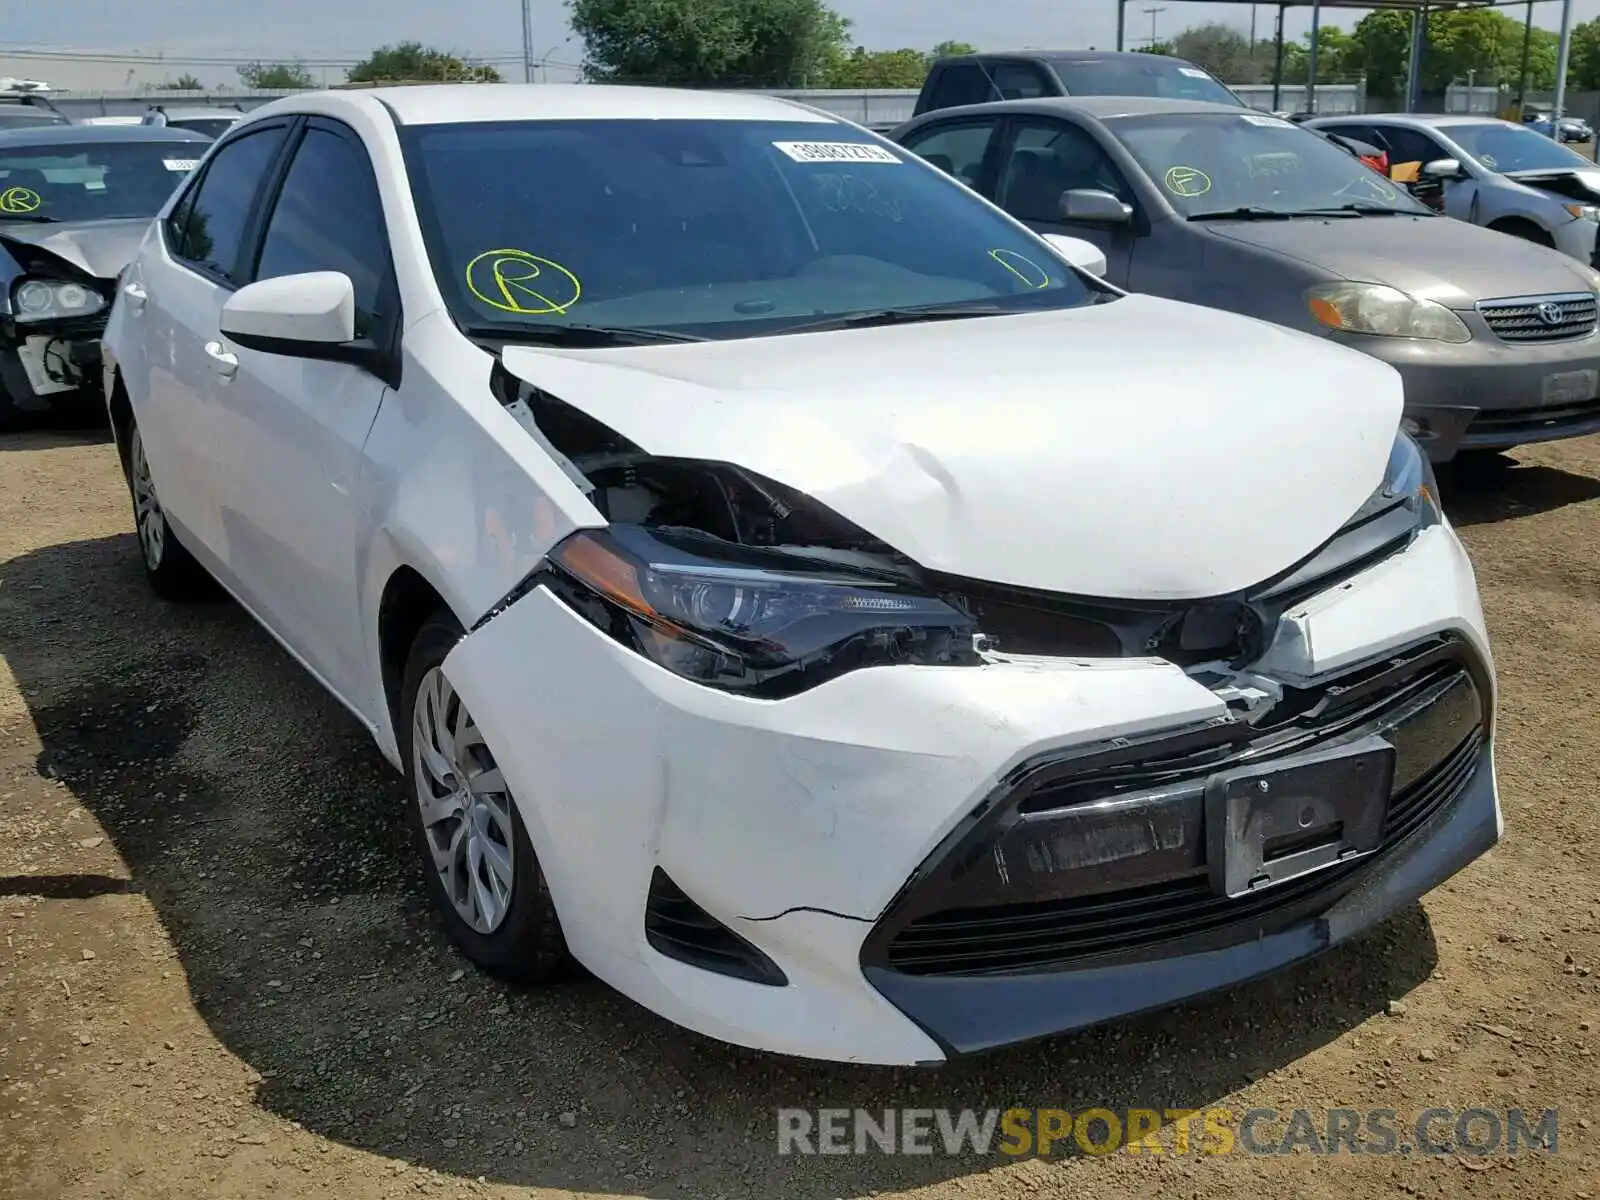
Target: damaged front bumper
51, 365
802, 834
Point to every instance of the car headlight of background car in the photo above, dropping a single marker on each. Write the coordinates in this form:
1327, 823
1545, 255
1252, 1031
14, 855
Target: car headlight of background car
746, 619
1383, 311
54, 300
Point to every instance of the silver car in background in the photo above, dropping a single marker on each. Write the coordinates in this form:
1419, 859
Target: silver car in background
1494, 173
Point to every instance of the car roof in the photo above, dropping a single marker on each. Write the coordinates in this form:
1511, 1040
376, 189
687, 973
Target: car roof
448, 103
196, 110
78, 135
1065, 55
1106, 107
1417, 120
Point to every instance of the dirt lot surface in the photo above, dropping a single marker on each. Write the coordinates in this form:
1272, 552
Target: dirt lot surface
218, 977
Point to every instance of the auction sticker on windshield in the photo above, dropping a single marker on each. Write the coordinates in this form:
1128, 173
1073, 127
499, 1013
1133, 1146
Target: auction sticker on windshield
826, 152
1269, 122
180, 164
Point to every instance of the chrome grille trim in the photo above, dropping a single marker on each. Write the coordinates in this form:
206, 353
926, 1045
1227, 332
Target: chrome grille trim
1518, 318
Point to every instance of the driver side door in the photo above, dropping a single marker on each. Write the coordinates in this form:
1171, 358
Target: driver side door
1042, 159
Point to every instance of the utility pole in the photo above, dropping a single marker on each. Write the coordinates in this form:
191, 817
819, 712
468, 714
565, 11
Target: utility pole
1563, 56
527, 41
1152, 13
1522, 76
1311, 63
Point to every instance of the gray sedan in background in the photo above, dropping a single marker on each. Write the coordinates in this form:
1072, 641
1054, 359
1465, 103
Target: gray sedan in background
1503, 176
1496, 338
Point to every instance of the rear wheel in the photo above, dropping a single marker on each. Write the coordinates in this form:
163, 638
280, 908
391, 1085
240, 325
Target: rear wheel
172, 570
482, 873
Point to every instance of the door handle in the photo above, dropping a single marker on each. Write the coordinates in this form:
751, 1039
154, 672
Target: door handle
136, 295
222, 362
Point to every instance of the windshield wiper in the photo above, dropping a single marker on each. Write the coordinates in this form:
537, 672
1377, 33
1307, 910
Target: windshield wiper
1246, 212
36, 218
1362, 209
896, 316
581, 336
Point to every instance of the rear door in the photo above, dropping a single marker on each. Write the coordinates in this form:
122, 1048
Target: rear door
963, 147
173, 296
296, 427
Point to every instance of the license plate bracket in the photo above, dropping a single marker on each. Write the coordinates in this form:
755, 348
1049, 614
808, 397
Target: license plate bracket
1277, 821
1571, 387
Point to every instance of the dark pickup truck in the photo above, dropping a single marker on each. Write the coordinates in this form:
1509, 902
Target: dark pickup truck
1028, 74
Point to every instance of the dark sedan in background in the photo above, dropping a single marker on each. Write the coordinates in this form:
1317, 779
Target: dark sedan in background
75, 201
1240, 210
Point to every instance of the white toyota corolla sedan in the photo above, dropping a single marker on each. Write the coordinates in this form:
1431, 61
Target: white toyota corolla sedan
791, 588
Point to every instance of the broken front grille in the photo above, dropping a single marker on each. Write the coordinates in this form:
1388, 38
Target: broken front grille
1100, 856
1541, 318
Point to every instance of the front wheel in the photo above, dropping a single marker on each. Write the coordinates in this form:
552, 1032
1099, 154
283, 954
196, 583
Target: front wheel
482, 873
172, 571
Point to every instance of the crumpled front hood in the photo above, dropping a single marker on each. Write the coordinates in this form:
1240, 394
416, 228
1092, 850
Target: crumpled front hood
1141, 449
102, 248
1434, 258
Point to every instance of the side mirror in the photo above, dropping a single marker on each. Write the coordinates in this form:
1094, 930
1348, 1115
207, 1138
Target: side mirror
1443, 168
1086, 256
304, 316
1091, 204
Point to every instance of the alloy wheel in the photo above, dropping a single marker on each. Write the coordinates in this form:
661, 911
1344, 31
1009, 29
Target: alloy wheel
465, 805
148, 517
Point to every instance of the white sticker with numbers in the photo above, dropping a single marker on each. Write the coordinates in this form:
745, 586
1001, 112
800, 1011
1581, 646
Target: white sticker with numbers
835, 152
180, 164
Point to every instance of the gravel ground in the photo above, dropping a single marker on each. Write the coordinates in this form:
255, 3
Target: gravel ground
219, 979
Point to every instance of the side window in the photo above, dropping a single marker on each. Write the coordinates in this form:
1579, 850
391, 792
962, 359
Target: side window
964, 83
328, 217
1409, 146
1017, 81
1362, 133
956, 150
1048, 158
216, 212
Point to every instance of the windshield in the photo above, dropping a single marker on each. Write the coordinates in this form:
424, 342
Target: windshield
1209, 164
90, 182
719, 228
1141, 75
1502, 147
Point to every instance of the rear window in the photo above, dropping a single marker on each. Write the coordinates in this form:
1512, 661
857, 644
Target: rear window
1141, 75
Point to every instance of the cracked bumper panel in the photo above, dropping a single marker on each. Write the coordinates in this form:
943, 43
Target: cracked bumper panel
797, 822
1488, 394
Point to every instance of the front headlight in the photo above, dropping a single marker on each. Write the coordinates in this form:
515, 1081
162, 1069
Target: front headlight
748, 620
1409, 477
1385, 312
1583, 212
54, 300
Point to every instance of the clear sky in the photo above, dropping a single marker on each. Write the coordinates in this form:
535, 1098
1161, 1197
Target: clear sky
309, 29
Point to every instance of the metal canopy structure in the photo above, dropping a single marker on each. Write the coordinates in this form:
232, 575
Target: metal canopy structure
1419, 9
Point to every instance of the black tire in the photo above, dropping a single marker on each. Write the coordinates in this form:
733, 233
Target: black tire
172, 571
526, 944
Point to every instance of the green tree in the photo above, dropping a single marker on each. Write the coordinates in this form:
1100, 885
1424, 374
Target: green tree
863, 68
711, 43
270, 76
1584, 68
951, 49
412, 61
183, 83
1222, 50
1380, 45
